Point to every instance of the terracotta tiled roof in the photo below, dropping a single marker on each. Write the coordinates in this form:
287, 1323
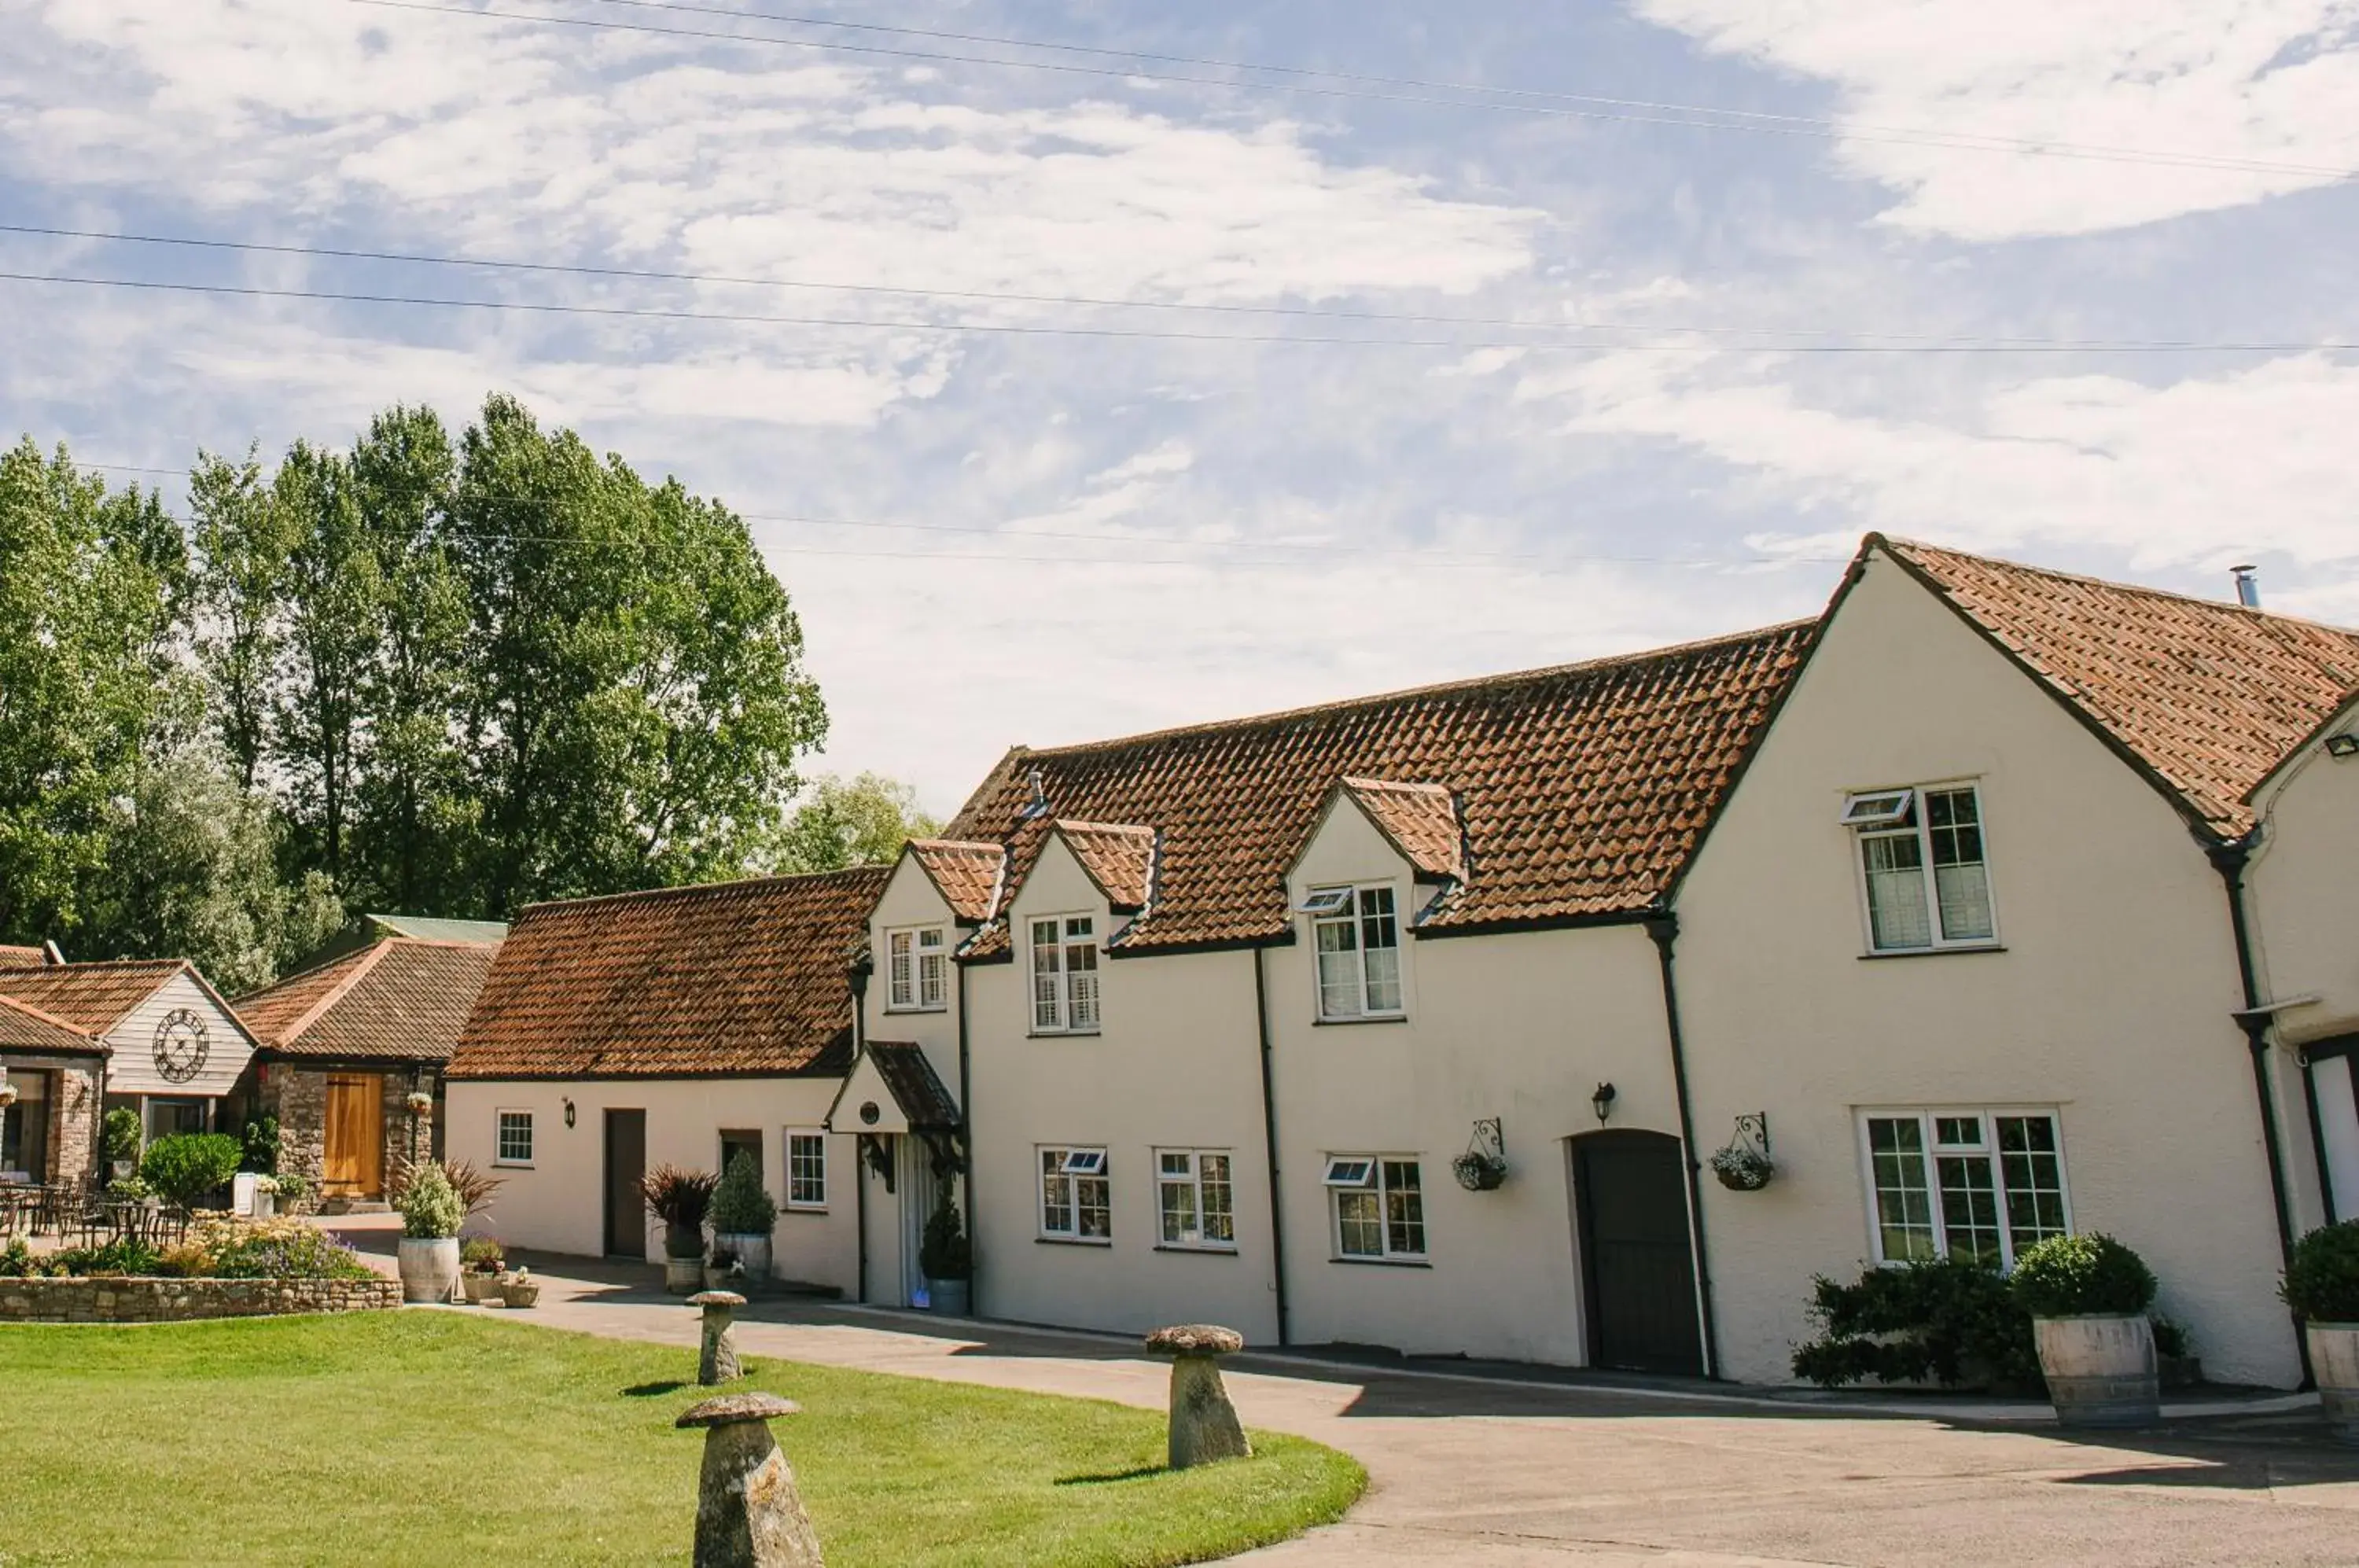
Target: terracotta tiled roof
966, 873
2209, 695
19, 957
749, 977
1422, 822
1583, 789
1118, 857
399, 1000
93, 998
26, 1027
916, 1087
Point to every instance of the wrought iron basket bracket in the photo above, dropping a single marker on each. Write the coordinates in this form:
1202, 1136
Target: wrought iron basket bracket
1752, 1131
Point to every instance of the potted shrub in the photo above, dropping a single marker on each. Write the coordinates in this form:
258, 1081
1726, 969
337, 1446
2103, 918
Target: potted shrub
520, 1289
480, 1260
946, 1258
680, 1199
119, 1142
2321, 1286
432, 1214
2087, 1296
742, 1214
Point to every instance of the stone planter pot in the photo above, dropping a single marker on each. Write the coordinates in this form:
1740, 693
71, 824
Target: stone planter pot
752, 1251
2100, 1370
2334, 1362
484, 1289
517, 1293
429, 1268
947, 1297
684, 1276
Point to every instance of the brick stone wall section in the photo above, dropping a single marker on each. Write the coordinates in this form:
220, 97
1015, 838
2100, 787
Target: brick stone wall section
186, 1300
299, 1100
73, 1123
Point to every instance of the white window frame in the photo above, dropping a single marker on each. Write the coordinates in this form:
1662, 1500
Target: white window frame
1068, 1166
1875, 824
1070, 1006
1356, 1173
917, 970
1355, 917
1929, 1152
1192, 1181
500, 1156
791, 1135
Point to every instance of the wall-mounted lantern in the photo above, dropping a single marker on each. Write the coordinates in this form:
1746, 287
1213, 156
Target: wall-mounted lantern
1602, 1103
569, 1113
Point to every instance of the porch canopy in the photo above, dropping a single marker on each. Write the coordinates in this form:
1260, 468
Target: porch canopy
893, 1089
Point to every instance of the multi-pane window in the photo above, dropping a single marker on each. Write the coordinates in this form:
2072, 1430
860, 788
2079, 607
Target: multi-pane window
1064, 974
1923, 866
917, 969
1379, 1203
1193, 1189
513, 1144
1964, 1183
1076, 1195
806, 1168
1356, 932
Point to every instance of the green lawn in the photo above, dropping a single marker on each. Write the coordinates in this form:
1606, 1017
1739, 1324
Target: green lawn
434, 1438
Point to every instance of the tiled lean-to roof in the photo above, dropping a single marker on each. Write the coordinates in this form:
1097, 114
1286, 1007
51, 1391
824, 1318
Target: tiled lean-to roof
13, 957
916, 1087
1582, 789
1422, 822
742, 977
967, 875
93, 998
1119, 858
397, 1000
26, 1027
2208, 696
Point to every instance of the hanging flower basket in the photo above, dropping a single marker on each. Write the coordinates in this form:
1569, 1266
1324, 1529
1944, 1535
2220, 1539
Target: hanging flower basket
7, 1096
1742, 1170
1480, 1172
422, 1104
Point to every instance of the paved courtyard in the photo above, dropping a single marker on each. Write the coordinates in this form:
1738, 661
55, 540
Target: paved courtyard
1499, 1473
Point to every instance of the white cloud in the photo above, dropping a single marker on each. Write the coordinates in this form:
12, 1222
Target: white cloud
2264, 81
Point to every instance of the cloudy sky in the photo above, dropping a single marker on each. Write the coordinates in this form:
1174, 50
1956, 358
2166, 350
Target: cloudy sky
1565, 329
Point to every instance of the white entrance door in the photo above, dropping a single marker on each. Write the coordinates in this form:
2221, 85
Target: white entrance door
917, 1196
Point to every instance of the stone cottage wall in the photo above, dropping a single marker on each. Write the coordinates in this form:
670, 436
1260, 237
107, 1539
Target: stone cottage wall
186, 1300
73, 1122
298, 1096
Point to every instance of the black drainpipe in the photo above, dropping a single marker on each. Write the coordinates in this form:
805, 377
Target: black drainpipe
1269, 1137
966, 1143
2229, 859
860, 973
1663, 926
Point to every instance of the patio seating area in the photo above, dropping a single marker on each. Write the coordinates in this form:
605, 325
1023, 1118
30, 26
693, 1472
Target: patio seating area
58, 1215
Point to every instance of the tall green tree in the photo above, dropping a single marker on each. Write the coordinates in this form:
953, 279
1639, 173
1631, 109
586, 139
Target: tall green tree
860, 822
243, 537
336, 608
91, 588
636, 697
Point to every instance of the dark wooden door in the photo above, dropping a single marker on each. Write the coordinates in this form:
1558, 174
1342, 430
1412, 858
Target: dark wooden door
1637, 1267
626, 1161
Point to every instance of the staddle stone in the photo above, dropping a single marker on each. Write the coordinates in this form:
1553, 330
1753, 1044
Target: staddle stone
748, 1514
716, 1360
1203, 1425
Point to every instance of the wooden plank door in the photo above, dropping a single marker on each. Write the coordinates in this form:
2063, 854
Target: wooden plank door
355, 1153
1637, 1264
626, 1161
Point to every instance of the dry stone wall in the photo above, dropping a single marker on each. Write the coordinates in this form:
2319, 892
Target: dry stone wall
186, 1300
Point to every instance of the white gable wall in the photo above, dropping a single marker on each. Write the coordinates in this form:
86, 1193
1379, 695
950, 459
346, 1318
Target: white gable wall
2111, 1000
133, 1069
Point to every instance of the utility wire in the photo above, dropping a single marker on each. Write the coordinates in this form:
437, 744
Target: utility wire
640, 275
535, 306
1487, 560
1811, 130
1985, 141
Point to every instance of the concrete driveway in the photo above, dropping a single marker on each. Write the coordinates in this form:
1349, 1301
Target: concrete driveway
1499, 1473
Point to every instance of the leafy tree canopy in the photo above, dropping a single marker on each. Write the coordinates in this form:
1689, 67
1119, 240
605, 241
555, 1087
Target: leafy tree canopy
861, 821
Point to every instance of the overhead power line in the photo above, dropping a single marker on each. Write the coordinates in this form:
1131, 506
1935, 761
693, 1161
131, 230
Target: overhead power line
1483, 559
732, 318
1519, 323
1679, 116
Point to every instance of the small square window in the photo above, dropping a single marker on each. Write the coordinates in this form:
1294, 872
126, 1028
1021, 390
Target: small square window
806, 1168
1076, 1197
1923, 869
514, 1142
1376, 1205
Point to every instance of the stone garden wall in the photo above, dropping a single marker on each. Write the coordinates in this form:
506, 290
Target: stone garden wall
185, 1300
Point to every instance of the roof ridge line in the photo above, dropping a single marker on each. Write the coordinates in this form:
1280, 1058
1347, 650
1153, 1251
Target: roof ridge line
337, 991
1443, 688
2145, 589
693, 888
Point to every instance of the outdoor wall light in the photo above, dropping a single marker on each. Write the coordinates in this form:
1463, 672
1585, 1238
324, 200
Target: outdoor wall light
569, 1113
2343, 745
1603, 1101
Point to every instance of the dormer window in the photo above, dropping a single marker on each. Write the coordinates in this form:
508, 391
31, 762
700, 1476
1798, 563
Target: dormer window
1356, 932
1922, 867
917, 969
1064, 974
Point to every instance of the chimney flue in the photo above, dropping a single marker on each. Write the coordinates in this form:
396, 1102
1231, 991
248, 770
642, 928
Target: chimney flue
2248, 587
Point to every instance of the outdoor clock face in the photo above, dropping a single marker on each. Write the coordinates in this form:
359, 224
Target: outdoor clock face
181, 1046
